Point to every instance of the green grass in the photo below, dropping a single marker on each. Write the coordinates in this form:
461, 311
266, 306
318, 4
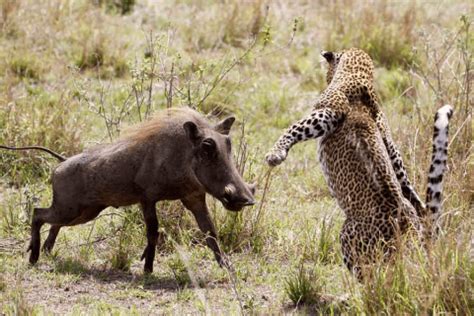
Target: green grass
80, 74
302, 287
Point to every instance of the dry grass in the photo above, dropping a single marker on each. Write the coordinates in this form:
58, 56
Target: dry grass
77, 73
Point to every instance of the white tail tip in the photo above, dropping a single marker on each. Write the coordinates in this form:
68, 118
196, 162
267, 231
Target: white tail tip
443, 115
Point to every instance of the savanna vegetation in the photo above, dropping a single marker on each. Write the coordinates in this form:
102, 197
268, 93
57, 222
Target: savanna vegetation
80, 72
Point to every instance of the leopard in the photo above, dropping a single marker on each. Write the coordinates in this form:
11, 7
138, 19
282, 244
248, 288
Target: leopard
351, 72
350, 77
362, 165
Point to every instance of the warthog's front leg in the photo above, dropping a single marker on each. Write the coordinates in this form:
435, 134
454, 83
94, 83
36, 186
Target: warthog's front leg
197, 205
151, 222
49, 243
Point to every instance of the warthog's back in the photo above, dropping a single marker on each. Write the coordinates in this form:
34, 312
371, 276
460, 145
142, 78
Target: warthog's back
153, 158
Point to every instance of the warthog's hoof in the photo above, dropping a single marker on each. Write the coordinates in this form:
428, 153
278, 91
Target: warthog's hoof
148, 255
34, 255
148, 270
225, 263
47, 248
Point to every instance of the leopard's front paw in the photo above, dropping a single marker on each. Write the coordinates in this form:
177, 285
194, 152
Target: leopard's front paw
275, 157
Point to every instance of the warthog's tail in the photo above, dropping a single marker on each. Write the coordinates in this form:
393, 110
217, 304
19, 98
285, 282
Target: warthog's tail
438, 163
49, 151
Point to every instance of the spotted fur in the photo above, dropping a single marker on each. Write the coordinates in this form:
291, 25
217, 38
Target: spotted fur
360, 176
438, 164
320, 122
351, 72
362, 165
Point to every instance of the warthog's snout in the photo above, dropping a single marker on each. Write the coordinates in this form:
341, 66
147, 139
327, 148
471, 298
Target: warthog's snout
249, 202
234, 200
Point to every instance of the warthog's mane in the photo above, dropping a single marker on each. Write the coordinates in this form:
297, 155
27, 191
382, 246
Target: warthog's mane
159, 121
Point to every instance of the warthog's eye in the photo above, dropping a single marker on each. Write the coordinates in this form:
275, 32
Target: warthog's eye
209, 146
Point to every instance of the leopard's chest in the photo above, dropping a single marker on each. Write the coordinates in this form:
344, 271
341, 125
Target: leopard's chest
327, 161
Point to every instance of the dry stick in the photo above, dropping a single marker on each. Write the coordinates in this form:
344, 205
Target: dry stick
139, 104
233, 282
230, 271
185, 259
169, 96
44, 230
413, 153
89, 237
100, 239
288, 44
150, 88
224, 73
88, 243
468, 119
267, 177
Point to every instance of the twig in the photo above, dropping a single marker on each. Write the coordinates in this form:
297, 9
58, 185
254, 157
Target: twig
233, 282
268, 178
468, 119
169, 95
224, 73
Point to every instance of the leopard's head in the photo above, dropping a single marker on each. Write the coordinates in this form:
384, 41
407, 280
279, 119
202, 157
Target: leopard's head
349, 60
332, 59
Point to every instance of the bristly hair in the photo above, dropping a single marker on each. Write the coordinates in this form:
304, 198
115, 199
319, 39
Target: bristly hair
144, 130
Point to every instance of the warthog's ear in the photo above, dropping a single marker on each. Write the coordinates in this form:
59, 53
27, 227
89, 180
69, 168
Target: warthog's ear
329, 56
193, 132
224, 126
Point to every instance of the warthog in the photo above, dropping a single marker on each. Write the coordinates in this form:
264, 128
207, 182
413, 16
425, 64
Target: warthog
178, 155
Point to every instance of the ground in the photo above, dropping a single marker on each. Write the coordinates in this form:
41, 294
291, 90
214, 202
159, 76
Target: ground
78, 73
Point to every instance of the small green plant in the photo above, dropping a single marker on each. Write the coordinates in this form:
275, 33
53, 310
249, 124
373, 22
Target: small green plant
184, 295
327, 241
121, 260
25, 67
3, 285
120, 66
180, 272
131, 226
18, 305
118, 6
91, 58
303, 287
69, 265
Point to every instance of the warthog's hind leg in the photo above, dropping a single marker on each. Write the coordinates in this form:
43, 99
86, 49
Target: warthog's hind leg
151, 222
39, 215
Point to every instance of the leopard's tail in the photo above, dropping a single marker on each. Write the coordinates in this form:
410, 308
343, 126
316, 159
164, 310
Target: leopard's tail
438, 162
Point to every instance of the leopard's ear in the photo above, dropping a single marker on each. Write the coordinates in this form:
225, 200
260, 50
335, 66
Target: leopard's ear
329, 56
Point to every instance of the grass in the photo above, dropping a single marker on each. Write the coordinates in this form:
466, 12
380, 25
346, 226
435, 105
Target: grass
302, 287
79, 73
